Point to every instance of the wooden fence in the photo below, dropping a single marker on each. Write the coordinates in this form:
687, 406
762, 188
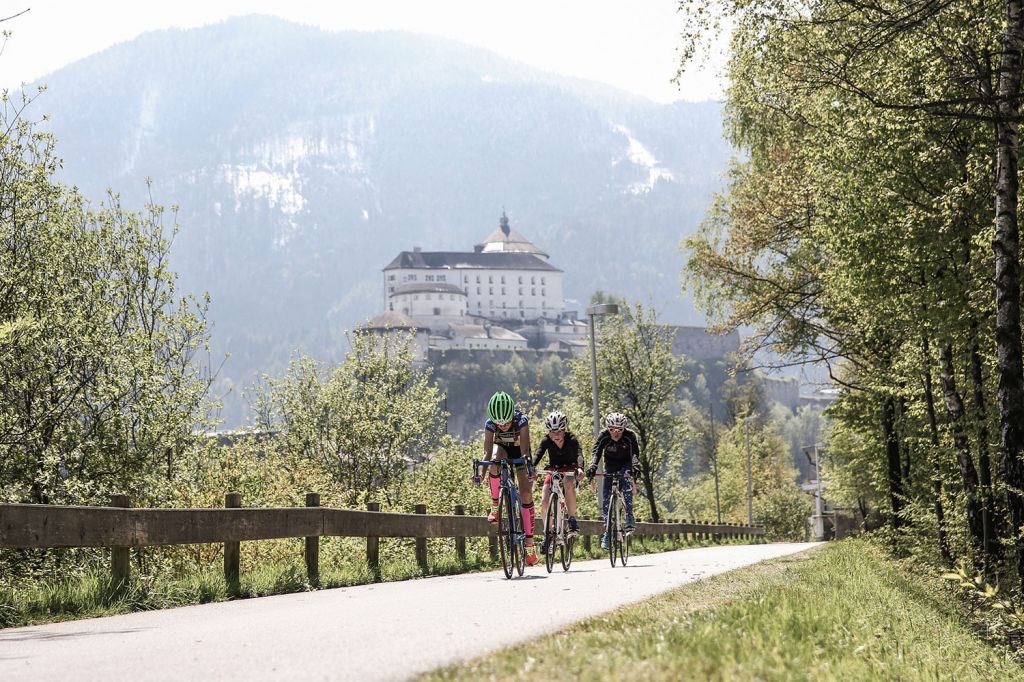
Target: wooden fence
121, 528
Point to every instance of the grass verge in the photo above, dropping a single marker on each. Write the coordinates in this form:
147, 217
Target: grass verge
88, 596
844, 612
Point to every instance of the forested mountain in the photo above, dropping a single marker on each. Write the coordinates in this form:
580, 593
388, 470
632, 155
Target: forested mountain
302, 161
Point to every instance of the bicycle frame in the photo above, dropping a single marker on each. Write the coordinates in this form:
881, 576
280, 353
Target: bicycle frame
516, 535
560, 538
618, 536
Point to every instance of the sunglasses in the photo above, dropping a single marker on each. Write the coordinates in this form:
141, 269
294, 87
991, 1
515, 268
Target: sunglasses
617, 429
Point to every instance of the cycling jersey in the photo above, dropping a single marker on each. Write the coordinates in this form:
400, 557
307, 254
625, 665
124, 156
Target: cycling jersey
508, 439
620, 455
566, 456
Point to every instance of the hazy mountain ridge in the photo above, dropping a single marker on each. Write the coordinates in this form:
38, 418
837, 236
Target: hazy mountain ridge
303, 161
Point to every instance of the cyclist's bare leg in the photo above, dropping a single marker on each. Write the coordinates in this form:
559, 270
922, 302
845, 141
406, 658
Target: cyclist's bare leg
545, 501
570, 495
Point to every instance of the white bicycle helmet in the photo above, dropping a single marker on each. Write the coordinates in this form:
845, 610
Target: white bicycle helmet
556, 420
615, 420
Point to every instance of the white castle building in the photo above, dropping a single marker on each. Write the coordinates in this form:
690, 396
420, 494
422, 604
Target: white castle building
505, 277
504, 295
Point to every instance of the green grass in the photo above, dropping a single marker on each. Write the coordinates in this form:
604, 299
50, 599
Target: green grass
45, 601
844, 612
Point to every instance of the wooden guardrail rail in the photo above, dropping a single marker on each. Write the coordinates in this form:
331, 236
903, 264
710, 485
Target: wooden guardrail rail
120, 528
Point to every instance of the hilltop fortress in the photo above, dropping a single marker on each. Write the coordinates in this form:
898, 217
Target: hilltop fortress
505, 295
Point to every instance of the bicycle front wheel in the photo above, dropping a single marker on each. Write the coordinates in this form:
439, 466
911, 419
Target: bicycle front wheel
610, 528
623, 538
505, 545
550, 533
518, 535
568, 539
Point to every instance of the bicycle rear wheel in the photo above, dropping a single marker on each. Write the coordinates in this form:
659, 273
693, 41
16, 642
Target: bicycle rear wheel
550, 533
610, 528
505, 546
518, 536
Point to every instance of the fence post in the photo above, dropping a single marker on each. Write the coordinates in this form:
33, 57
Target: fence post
120, 565
421, 543
586, 542
313, 547
232, 549
373, 546
460, 541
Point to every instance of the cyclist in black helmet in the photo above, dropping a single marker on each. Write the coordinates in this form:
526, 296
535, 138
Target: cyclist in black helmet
621, 452
507, 436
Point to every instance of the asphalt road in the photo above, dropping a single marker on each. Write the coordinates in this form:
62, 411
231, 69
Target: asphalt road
370, 632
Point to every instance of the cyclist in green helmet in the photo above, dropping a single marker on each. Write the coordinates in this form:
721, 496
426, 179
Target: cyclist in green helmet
507, 436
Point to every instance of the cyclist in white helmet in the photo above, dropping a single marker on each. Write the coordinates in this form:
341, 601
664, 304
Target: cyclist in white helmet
621, 452
564, 455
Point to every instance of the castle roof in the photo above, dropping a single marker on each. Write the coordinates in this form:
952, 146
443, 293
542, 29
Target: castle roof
390, 320
448, 260
507, 240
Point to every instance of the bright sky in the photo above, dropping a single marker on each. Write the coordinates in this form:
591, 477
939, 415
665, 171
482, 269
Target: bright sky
630, 44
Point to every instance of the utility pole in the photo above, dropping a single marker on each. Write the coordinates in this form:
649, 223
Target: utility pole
750, 487
714, 461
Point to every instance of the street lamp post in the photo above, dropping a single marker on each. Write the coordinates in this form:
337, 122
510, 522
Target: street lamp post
819, 502
593, 311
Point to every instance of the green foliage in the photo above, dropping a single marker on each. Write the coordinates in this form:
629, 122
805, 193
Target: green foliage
100, 382
364, 422
778, 503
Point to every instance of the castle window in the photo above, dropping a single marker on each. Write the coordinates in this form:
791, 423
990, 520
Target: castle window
437, 311
533, 280
490, 290
415, 297
429, 278
533, 292
478, 279
391, 290
542, 280
478, 291
442, 278
520, 279
503, 291
391, 306
412, 278
503, 279
543, 292
520, 303
391, 278
520, 289
490, 279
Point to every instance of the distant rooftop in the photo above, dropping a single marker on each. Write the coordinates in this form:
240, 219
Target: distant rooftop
507, 240
391, 320
460, 259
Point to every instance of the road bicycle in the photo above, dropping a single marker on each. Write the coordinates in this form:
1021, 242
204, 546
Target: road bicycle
556, 527
615, 525
511, 534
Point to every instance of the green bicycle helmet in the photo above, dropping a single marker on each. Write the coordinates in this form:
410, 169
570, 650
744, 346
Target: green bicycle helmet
501, 408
